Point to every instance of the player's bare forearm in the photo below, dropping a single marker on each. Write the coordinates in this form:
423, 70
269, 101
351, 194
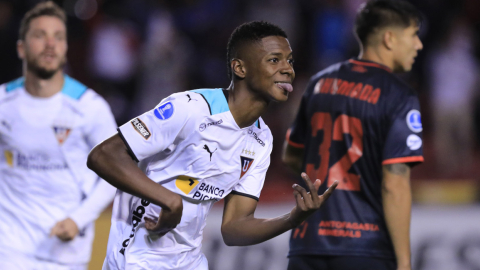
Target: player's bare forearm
292, 157
111, 161
397, 205
240, 227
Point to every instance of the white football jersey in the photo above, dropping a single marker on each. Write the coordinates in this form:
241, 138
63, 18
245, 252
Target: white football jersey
191, 145
44, 144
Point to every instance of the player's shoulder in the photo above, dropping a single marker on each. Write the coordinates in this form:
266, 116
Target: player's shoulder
215, 99
328, 71
9, 89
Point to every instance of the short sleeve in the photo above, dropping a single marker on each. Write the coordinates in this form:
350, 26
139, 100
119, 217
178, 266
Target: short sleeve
296, 134
251, 185
155, 130
404, 140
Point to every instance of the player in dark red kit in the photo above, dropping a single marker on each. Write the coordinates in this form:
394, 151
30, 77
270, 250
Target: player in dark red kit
360, 124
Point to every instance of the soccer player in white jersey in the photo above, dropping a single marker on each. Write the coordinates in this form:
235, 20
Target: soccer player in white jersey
48, 124
194, 149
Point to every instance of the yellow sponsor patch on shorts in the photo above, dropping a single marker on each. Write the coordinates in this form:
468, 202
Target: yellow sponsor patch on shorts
186, 183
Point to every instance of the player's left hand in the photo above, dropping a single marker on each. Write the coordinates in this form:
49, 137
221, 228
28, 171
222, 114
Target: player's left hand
65, 230
308, 202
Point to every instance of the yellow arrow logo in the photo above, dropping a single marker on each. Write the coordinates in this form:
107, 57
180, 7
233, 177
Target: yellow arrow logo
9, 157
186, 183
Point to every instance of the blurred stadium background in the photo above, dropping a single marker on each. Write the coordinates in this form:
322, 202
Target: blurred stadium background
136, 52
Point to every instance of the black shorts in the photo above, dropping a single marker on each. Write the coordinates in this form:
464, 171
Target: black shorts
309, 262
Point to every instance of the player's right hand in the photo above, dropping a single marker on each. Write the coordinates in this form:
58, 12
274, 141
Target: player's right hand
308, 202
168, 218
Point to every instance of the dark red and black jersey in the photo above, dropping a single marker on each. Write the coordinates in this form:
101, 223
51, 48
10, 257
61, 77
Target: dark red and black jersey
354, 117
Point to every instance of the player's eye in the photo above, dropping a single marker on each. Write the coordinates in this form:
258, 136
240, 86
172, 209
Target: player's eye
274, 60
291, 61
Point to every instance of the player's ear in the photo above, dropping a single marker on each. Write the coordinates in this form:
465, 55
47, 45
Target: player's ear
21, 49
238, 68
388, 39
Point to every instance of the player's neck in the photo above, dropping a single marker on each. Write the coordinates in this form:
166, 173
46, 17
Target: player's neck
377, 55
245, 107
38, 87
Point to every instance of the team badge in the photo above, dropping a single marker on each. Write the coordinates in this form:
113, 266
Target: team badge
414, 121
414, 142
61, 133
245, 163
141, 128
9, 157
186, 183
165, 111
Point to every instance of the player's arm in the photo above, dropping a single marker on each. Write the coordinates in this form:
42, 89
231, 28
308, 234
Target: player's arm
397, 205
112, 162
292, 156
241, 228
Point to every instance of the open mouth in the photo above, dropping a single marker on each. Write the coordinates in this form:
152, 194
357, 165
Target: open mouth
285, 86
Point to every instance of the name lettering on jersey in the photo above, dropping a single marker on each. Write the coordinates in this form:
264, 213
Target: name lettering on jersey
165, 111
61, 133
203, 126
186, 183
8, 157
208, 192
245, 163
141, 128
335, 86
414, 142
414, 121
255, 136
137, 216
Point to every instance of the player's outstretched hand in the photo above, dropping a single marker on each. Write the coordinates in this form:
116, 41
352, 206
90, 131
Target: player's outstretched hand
65, 230
167, 220
308, 202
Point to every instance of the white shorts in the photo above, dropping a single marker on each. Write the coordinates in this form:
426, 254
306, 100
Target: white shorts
14, 260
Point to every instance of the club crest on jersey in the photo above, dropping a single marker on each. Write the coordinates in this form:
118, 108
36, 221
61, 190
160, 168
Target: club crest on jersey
245, 163
414, 121
165, 111
141, 128
414, 142
186, 183
61, 133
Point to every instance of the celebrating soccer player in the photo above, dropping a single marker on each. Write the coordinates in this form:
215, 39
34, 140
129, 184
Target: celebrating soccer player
360, 125
194, 149
49, 122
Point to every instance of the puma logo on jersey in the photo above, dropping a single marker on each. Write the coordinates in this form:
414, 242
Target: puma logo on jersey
190, 99
208, 150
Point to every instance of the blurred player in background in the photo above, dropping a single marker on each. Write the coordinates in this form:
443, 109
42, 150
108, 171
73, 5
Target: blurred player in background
360, 125
194, 149
48, 124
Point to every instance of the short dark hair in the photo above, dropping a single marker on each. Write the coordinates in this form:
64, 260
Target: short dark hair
47, 8
376, 14
249, 32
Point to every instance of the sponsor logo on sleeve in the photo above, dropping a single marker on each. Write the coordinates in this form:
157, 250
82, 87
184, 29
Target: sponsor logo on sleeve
165, 111
414, 121
61, 133
186, 183
141, 128
245, 163
414, 142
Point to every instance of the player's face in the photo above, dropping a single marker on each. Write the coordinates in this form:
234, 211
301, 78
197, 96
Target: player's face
270, 68
45, 46
407, 45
